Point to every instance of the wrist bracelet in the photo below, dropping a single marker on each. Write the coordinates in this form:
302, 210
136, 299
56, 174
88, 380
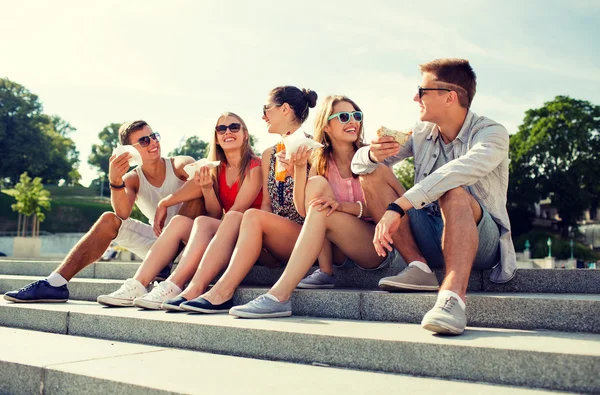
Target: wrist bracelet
361, 209
117, 186
394, 207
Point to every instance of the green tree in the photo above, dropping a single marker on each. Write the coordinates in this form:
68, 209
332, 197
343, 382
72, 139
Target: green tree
405, 173
31, 199
31, 140
109, 139
555, 154
193, 147
253, 142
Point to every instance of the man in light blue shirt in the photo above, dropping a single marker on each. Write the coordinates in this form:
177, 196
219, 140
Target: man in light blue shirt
455, 215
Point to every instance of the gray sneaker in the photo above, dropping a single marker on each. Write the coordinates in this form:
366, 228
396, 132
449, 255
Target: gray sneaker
262, 307
410, 279
446, 317
317, 279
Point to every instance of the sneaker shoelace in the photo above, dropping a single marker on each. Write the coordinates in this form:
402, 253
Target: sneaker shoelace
125, 288
32, 285
447, 305
159, 292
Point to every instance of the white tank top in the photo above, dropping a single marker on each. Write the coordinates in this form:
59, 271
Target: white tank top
148, 195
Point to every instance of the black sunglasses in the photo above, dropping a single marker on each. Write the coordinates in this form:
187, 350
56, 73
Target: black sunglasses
267, 107
234, 127
145, 141
421, 90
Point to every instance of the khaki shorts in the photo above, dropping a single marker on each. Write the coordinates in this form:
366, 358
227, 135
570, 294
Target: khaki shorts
136, 236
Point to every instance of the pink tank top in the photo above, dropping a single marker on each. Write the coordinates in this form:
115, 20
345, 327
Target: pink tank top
345, 189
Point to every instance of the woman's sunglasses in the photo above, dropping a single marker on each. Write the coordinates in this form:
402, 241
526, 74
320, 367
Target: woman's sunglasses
344, 117
267, 107
145, 141
234, 127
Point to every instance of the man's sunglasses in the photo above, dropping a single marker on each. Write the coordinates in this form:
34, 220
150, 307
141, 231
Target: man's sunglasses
421, 90
234, 127
267, 107
145, 141
344, 117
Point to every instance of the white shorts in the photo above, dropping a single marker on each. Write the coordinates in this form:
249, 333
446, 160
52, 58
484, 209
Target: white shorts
136, 236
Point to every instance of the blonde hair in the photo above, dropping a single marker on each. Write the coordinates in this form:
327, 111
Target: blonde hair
320, 156
216, 152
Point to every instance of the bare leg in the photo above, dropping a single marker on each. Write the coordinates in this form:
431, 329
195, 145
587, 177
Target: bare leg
217, 255
91, 246
258, 228
164, 248
350, 234
203, 231
461, 214
381, 188
325, 258
192, 208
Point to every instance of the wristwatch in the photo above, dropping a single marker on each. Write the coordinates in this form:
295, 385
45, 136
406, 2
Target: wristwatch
394, 207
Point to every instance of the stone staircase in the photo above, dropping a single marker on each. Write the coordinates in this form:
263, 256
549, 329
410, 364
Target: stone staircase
539, 332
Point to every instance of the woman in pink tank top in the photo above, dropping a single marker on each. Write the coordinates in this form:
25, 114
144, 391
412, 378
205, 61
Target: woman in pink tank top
333, 202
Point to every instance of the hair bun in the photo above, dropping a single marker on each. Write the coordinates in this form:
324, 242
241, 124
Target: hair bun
311, 97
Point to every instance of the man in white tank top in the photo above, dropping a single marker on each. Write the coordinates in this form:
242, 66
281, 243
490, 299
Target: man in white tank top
144, 186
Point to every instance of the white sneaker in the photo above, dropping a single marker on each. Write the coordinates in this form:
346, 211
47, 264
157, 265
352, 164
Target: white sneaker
125, 295
159, 294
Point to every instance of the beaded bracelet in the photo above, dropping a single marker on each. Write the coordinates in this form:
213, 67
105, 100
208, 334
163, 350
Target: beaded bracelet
361, 209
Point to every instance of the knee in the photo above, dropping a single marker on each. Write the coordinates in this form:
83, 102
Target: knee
109, 220
252, 217
453, 198
178, 221
371, 180
316, 185
201, 221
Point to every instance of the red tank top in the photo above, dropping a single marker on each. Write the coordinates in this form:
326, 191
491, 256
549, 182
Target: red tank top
228, 194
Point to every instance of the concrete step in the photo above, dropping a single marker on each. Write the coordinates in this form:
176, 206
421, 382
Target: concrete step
71, 364
539, 359
563, 312
526, 280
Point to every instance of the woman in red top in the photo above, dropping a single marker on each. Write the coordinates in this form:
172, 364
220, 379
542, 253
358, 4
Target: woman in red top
227, 191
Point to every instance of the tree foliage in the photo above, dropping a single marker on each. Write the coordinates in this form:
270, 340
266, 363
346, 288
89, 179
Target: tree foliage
31, 198
31, 141
109, 139
555, 154
193, 147
405, 173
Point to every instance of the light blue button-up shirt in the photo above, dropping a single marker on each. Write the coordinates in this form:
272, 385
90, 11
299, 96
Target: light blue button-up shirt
480, 165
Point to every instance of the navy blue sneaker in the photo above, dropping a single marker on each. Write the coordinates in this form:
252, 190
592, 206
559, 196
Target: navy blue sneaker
173, 304
201, 305
38, 291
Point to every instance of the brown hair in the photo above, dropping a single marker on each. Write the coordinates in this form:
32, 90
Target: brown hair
299, 100
320, 157
128, 128
455, 74
217, 153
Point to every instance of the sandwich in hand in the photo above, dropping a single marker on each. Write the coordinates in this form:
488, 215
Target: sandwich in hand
401, 137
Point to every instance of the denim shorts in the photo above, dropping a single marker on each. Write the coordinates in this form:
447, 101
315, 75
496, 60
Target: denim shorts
389, 259
427, 227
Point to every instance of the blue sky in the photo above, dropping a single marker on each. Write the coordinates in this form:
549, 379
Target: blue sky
179, 64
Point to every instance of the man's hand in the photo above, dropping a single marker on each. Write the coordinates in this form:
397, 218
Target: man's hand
325, 202
382, 148
384, 230
117, 167
203, 178
159, 218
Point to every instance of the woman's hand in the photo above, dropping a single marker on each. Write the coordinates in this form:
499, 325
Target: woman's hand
384, 230
324, 203
285, 163
300, 158
203, 178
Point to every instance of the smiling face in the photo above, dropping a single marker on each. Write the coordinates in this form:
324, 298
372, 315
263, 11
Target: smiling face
274, 117
343, 132
433, 104
230, 140
150, 152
